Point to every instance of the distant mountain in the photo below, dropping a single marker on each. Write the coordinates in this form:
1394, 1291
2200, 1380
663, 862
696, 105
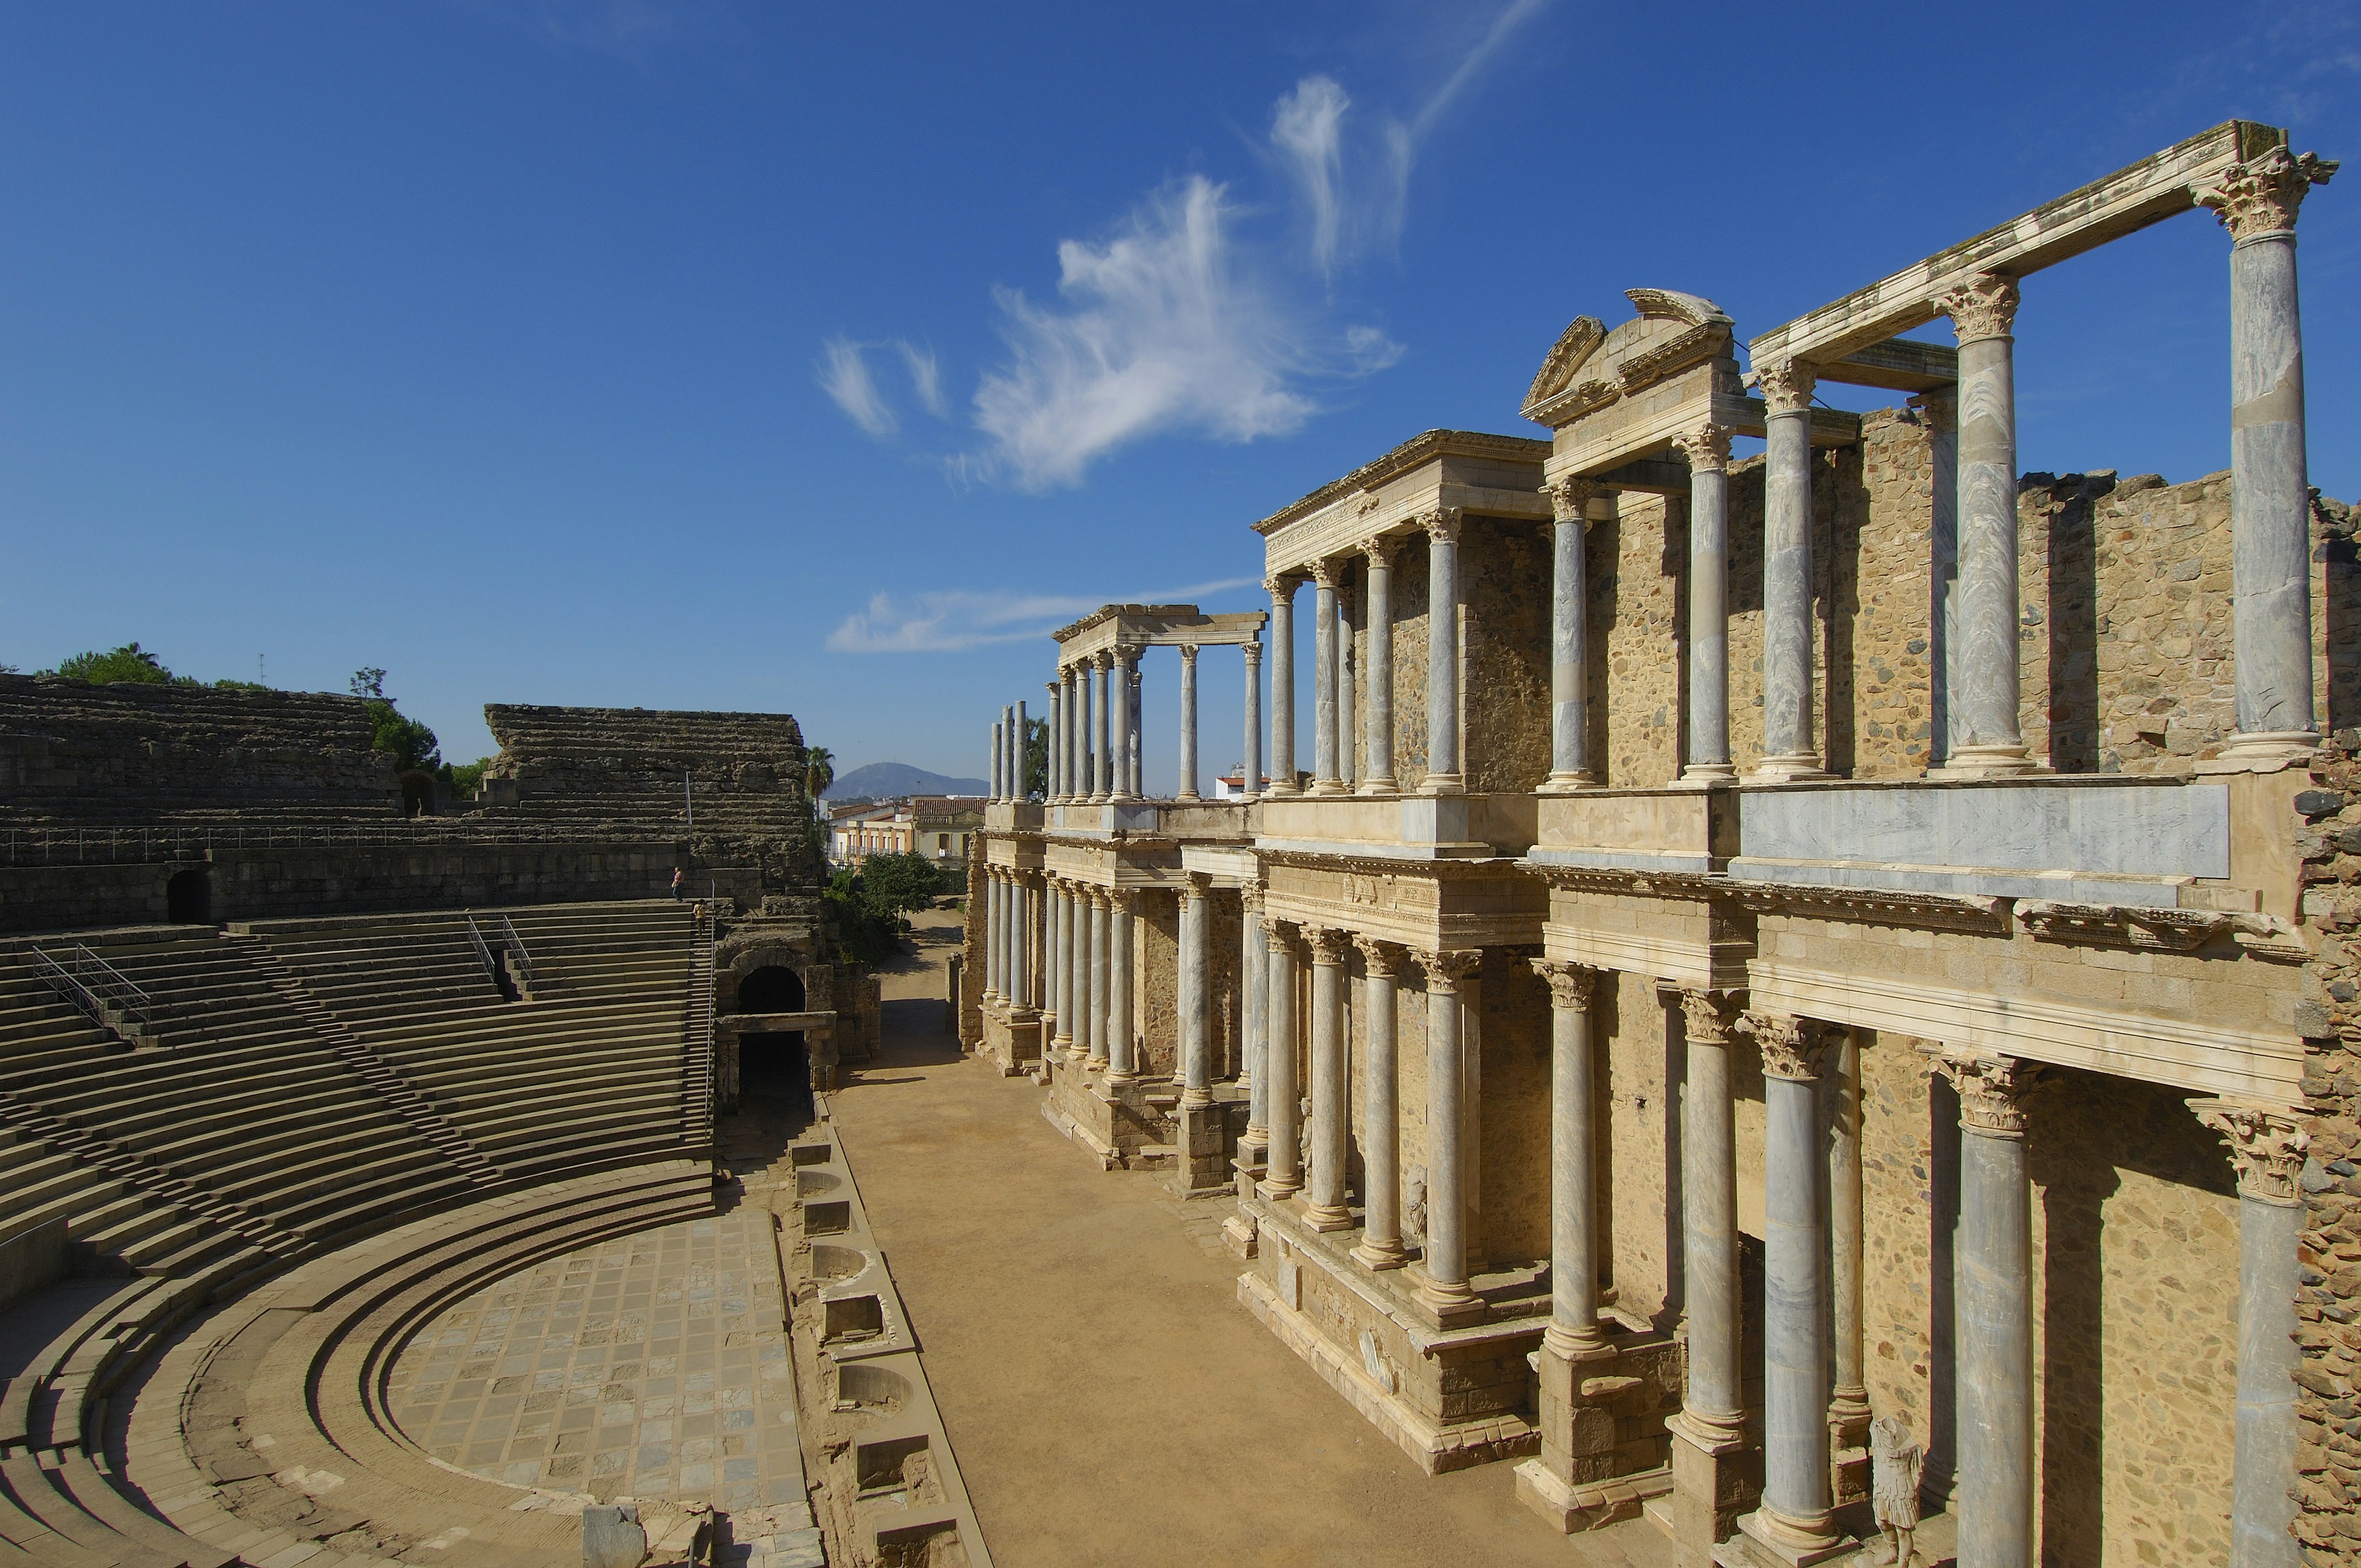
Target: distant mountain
885, 780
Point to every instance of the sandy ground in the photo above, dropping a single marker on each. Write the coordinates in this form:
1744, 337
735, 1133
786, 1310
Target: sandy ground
1108, 1399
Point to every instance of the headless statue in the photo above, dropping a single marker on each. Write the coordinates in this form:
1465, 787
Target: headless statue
1895, 1463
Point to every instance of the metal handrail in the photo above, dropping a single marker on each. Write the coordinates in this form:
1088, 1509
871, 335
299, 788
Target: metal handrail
95, 987
516, 949
483, 951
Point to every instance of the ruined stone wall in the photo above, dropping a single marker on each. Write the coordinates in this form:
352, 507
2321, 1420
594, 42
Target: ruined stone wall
73, 752
1639, 1158
1514, 1011
1880, 518
1636, 569
1156, 985
1505, 654
1409, 642
972, 969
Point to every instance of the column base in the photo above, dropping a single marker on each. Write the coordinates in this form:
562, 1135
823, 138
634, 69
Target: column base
1270, 1189
1594, 1505
1848, 1477
1280, 791
1328, 786
1451, 1304
1710, 1483
1791, 767
1384, 783
1987, 762
1326, 1217
1568, 782
1380, 1257
1442, 783
1769, 1540
2263, 751
1707, 775
1187, 797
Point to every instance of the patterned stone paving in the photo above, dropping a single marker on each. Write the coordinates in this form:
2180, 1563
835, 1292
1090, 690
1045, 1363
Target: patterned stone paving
653, 1365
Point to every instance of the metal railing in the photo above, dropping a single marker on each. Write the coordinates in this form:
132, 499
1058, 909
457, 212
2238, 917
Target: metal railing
523, 959
100, 845
483, 951
105, 994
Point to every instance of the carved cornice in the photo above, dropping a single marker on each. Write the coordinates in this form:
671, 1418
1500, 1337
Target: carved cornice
1569, 499
1871, 906
1624, 879
1382, 960
1491, 868
2266, 1146
1442, 525
1981, 306
1992, 1089
1445, 970
1791, 1047
1709, 1015
2122, 926
1570, 984
1574, 345
1675, 354
2261, 196
1786, 386
1706, 447
1327, 944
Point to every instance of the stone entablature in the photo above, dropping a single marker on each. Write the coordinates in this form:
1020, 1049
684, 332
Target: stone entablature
1466, 471
1136, 626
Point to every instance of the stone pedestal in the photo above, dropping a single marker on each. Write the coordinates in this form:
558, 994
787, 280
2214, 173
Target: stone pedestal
1606, 1449
1206, 1146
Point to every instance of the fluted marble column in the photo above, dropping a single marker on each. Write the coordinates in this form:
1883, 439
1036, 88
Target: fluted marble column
1253, 1008
1122, 1038
1020, 743
1135, 745
1939, 412
1709, 1433
999, 763
1324, 679
1325, 1206
1378, 743
1196, 1023
1097, 1012
1119, 680
1707, 450
1051, 784
1381, 1239
1985, 703
1569, 618
1347, 734
2267, 1148
1282, 685
1188, 789
1796, 1519
1849, 1410
1445, 1289
1994, 1269
1250, 786
1282, 1176
1078, 969
1444, 773
1060, 957
1788, 749
1572, 1329
2270, 498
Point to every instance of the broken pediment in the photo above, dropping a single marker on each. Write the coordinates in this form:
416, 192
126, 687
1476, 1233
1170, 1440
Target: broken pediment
1566, 357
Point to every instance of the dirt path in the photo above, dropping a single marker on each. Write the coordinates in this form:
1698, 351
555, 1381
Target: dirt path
1108, 1399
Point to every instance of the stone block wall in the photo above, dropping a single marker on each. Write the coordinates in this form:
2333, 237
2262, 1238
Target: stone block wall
1515, 1135
1639, 1158
1505, 653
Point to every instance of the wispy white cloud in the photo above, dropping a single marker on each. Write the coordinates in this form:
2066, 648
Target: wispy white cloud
1307, 132
947, 622
926, 376
1160, 327
843, 373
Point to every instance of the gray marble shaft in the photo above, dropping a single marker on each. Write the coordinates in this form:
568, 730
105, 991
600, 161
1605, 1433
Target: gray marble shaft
1377, 744
2261, 1510
1348, 769
1282, 686
1122, 1038
1940, 411
1381, 1243
1323, 683
999, 761
1057, 715
1119, 678
1795, 1371
2270, 500
1843, 1070
1060, 953
1708, 624
1250, 786
1569, 655
1078, 975
1787, 589
1020, 743
1329, 1126
1188, 790
1099, 978
1446, 1200
1254, 961
991, 935
1986, 700
1574, 1153
1284, 1175
1710, 1234
1196, 1043
1996, 1352
1442, 763
1094, 718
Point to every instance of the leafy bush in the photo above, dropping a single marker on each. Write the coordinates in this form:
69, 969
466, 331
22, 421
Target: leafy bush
465, 778
130, 663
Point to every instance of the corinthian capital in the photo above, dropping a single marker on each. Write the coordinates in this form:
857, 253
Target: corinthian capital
1981, 306
1327, 944
1381, 959
1569, 984
1252, 649
1446, 968
1706, 1015
1706, 447
1791, 1046
1327, 572
1380, 551
1569, 499
2266, 1146
1992, 1089
1442, 525
1280, 585
1787, 386
2261, 195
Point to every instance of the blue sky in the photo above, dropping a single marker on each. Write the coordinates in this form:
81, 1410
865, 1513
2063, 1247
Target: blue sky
818, 358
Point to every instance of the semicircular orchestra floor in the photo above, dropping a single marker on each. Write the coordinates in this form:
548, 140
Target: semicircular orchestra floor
648, 1365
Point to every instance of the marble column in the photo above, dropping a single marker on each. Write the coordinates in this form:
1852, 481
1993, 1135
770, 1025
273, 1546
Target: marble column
1188, 789
1993, 1266
1572, 1329
1348, 769
1094, 731
1020, 745
1253, 1008
1378, 741
991, 931
2271, 497
1444, 1289
1707, 450
1324, 679
1325, 1206
1134, 746
1985, 703
1282, 685
1788, 751
1049, 788
1078, 969
1709, 1433
1196, 1021
1119, 679
1061, 968
1939, 412
1122, 1037
1282, 1176
999, 763
1569, 617
1250, 786
1445, 774
1020, 943
1848, 1394
1382, 1238
1100, 1034
1797, 1520
2267, 1148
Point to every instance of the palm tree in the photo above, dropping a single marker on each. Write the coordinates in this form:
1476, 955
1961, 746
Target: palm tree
819, 770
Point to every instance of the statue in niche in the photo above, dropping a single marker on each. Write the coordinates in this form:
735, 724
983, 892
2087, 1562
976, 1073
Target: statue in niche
1415, 1206
1895, 1463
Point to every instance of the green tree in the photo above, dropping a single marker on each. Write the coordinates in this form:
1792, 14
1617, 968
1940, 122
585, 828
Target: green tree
1037, 759
902, 883
130, 663
819, 770
410, 743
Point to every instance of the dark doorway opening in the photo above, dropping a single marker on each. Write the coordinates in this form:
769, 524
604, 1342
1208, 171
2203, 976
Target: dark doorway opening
417, 793
774, 988
188, 897
774, 1066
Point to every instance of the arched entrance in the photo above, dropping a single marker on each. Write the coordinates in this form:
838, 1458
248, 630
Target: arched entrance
188, 897
774, 1064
